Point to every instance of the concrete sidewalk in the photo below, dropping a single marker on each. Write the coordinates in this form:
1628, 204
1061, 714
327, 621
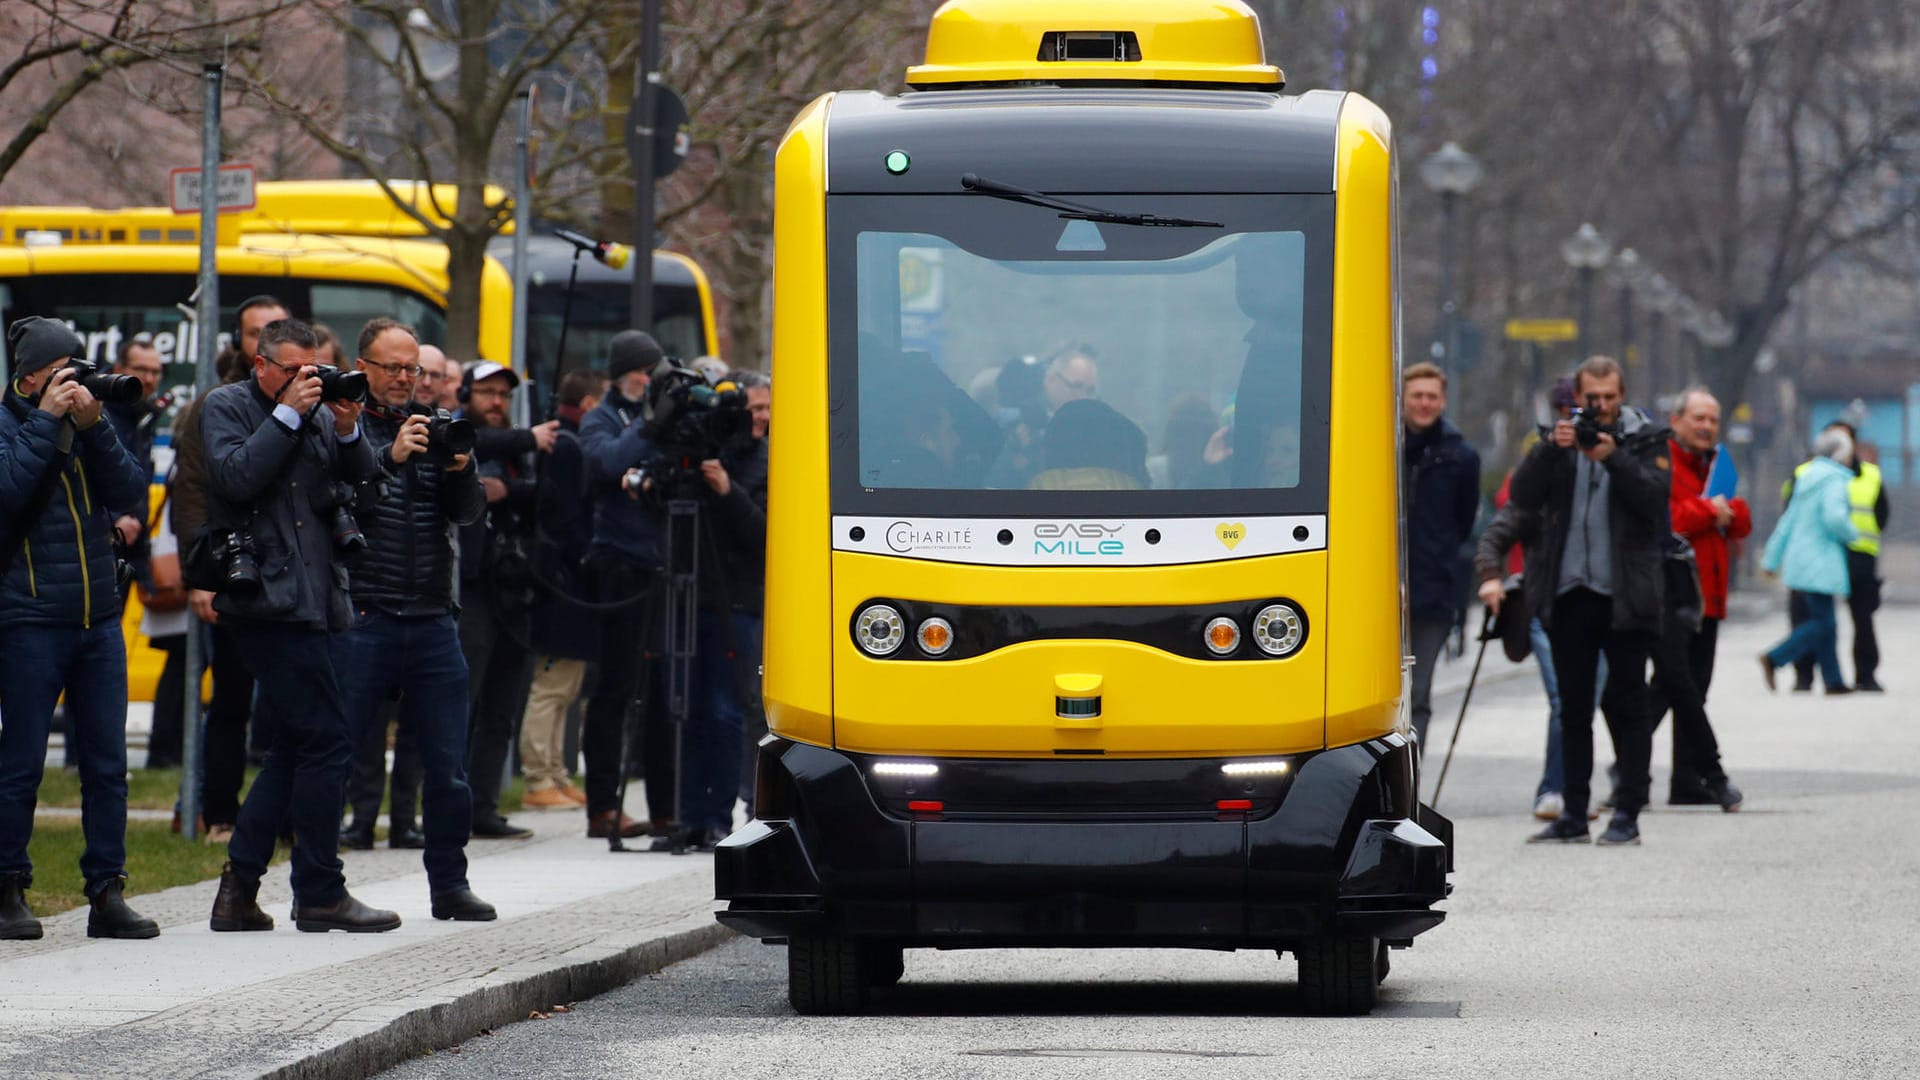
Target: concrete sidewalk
575, 920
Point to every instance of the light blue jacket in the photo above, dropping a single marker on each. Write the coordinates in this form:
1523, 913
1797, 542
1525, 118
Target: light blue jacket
1808, 548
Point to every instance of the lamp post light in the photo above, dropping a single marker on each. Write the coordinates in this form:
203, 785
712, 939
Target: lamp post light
1587, 252
1449, 172
1626, 275
1660, 297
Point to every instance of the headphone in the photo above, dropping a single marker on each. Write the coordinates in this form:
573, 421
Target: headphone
258, 300
465, 393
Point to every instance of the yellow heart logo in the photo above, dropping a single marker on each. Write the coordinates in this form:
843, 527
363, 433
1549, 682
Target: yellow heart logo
1231, 535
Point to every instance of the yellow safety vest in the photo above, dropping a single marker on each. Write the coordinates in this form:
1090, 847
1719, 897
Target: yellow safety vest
1863, 492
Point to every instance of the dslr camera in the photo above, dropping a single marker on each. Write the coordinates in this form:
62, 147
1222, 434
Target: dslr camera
1587, 427
103, 384
338, 385
239, 563
448, 436
335, 503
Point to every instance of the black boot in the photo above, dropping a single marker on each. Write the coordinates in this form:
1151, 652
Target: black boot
346, 914
112, 918
461, 905
16, 922
237, 905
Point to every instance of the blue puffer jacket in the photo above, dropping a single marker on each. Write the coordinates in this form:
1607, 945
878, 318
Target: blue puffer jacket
1808, 548
64, 573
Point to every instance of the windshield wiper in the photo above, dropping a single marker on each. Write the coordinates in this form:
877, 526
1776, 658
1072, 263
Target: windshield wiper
1074, 211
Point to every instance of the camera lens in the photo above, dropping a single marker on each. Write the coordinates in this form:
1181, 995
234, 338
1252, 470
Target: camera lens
337, 385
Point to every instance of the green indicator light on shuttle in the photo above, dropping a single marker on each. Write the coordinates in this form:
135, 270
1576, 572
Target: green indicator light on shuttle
898, 161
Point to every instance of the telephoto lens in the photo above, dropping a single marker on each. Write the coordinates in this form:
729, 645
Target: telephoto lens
106, 386
337, 385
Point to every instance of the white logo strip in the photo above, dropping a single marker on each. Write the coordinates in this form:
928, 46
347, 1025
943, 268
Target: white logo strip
1080, 541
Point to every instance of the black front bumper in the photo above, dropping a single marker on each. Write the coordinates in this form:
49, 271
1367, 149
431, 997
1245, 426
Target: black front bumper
1087, 852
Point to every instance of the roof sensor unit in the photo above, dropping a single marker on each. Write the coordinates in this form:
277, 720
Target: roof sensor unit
1117, 46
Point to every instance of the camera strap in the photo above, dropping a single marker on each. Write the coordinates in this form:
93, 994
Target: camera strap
37, 503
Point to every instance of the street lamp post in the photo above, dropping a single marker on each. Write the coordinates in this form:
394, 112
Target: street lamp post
1449, 172
1587, 252
1714, 333
1626, 275
1659, 296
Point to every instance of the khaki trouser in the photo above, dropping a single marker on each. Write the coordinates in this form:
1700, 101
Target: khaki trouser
543, 730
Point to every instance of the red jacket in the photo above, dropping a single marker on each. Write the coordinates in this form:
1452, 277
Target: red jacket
1693, 519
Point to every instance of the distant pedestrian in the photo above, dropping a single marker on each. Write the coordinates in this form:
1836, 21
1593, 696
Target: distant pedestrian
1867, 500
1808, 549
1442, 482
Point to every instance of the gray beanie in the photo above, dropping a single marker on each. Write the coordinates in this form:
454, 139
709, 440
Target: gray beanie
632, 350
34, 343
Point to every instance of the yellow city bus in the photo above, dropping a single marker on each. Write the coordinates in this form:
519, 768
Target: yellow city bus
337, 252
1084, 615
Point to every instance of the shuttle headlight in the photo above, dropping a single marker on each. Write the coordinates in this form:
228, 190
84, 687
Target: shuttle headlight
1279, 629
880, 630
1223, 636
906, 768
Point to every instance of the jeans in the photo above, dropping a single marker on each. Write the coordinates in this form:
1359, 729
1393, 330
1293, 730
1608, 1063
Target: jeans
225, 747
1682, 670
1583, 633
303, 783
499, 671
1428, 637
368, 781
421, 658
37, 662
165, 738
716, 723
1817, 638
1553, 775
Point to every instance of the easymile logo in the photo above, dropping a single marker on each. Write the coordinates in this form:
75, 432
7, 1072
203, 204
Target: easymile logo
1084, 539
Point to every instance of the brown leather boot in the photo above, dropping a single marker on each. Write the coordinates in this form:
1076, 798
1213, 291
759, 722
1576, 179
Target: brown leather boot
237, 905
110, 916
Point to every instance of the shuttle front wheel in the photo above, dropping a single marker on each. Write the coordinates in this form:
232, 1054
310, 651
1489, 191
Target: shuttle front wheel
831, 976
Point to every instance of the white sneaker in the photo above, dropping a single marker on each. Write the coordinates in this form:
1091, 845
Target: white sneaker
1549, 806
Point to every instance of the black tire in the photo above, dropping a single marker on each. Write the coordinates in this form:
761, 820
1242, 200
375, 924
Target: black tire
1339, 975
826, 976
1383, 965
882, 965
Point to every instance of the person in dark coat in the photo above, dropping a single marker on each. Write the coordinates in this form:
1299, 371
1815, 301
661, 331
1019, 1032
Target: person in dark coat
1595, 578
565, 637
1442, 482
60, 471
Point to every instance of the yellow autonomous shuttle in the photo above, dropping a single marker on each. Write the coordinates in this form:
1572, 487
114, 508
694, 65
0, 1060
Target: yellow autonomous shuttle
1084, 615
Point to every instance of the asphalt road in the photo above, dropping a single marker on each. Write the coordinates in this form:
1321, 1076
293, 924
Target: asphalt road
1773, 942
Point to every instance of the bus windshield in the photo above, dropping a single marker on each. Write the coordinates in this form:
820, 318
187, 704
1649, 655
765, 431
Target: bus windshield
1012, 359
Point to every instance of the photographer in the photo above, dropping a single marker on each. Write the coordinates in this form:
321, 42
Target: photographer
404, 636
60, 469
1594, 578
274, 452
625, 556
496, 587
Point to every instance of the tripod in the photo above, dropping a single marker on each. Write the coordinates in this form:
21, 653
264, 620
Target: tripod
679, 613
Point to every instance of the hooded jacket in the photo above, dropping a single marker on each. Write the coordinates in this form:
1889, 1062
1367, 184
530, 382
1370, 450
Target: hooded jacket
1808, 548
1540, 512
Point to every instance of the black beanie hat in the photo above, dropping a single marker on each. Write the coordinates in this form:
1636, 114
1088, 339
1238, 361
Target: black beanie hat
632, 350
34, 343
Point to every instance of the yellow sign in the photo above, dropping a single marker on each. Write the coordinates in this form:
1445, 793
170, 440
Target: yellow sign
1542, 330
1231, 535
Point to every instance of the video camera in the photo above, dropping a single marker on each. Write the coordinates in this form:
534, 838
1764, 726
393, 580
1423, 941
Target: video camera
690, 422
103, 384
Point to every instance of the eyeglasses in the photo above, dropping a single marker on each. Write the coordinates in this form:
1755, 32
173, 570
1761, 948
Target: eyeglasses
291, 369
490, 391
394, 371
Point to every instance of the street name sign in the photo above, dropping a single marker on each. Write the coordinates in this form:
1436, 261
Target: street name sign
236, 189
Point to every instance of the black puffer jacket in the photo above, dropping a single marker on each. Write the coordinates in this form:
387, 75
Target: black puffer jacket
63, 572
407, 569
1443, 496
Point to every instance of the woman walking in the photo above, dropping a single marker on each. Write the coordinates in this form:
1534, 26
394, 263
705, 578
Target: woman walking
1808, 549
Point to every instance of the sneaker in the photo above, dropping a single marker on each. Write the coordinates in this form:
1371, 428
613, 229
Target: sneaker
1868, 686
1726, 795
1690, 790
1549, 806
1564, 830
1623, 829
546, 799
1836, 690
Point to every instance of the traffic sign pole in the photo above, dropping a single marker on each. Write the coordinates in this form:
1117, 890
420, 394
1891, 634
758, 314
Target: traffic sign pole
206, 325
640, 122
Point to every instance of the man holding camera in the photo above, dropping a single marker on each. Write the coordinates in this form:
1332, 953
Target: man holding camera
496, 586
60, 469
404, 636
1598, 485
275, 447
625, 556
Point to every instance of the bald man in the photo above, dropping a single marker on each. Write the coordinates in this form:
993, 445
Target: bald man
439, 379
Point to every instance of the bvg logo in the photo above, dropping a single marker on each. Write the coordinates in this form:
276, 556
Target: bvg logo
1078, 538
